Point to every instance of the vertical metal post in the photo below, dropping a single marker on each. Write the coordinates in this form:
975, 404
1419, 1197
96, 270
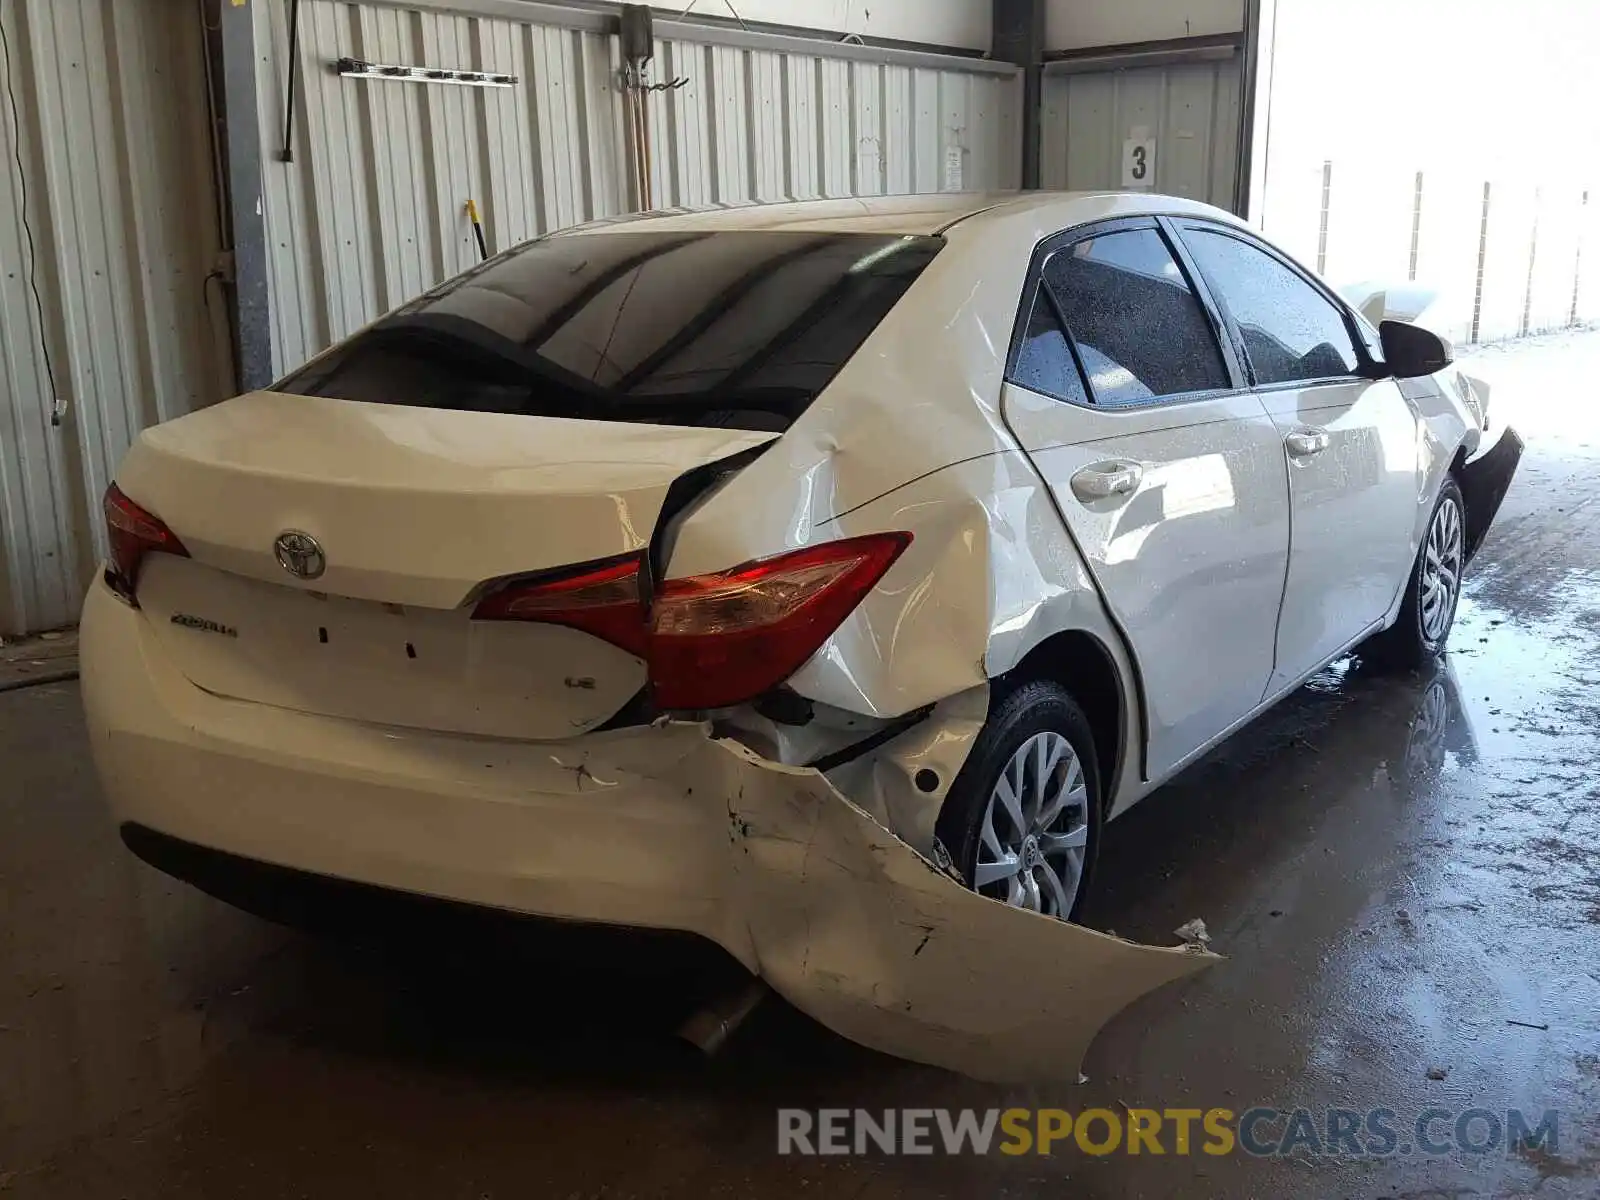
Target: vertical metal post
1416, 226
1255, 110
1577, 260
1322, 225
234, 29
1018, 37
287, 154
1533, 255
1483, 254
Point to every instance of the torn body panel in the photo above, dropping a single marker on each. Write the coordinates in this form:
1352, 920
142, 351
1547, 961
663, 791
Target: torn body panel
902, 784
898, 770
860, 932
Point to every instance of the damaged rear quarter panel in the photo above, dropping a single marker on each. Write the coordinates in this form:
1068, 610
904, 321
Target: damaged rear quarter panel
991, 574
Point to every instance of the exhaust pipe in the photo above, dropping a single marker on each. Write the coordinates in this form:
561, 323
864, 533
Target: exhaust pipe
711, 1027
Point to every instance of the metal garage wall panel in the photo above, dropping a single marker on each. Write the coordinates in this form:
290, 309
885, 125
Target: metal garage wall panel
372, 211
767, 125
1192, 110
111, 105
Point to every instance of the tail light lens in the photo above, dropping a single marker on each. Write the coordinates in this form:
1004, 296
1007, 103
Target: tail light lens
133, 533
720, 640
601, 598
711, 641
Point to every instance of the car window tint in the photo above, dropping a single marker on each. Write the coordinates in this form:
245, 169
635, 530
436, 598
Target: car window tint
1139, 328
1291, 331
1044, 360
741, 328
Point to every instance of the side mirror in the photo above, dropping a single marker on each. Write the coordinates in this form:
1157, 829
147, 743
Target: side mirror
1410, 351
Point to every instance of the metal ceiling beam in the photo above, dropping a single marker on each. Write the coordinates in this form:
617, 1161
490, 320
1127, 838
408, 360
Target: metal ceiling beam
1019, 38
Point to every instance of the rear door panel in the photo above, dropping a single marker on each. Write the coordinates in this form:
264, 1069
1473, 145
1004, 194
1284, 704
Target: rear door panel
1191, 563
1170, 476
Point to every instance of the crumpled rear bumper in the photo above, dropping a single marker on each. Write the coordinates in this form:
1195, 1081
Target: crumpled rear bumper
666, 827
855, 928
1484, 481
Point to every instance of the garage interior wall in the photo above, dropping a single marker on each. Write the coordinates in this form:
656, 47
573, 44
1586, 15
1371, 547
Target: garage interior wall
966, 24
372, 211
1144, 70
1081, 24
104, 107
1191, 110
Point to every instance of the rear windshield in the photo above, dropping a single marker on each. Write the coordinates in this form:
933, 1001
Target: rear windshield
738, 328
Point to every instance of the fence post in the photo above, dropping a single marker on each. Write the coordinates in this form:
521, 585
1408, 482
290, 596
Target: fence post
1577, 259
1322, 227
1483, 253
1533, 254
1416, 226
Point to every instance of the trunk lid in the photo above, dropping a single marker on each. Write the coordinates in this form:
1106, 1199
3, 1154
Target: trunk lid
414, 510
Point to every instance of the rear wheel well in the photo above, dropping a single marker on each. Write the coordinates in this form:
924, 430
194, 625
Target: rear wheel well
1080, 663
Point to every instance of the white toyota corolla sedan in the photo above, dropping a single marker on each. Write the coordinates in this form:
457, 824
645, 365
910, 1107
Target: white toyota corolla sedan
979, 515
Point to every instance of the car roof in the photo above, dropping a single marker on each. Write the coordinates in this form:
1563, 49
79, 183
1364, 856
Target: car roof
929, 213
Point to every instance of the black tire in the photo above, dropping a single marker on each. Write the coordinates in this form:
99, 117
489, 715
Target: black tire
1406, 645
1017, 715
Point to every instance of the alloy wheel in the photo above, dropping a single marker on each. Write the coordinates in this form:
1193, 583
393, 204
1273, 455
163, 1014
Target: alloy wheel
1441, 570
1035, 832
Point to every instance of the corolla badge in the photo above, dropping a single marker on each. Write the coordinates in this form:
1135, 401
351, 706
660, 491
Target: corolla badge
300, 554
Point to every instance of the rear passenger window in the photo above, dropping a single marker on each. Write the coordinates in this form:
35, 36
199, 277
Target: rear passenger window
1137, 324
1044, 360
1291, 331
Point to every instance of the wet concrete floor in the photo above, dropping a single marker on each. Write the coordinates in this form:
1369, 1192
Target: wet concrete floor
1404, 875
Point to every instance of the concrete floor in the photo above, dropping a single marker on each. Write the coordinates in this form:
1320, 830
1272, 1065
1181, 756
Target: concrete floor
1396, 870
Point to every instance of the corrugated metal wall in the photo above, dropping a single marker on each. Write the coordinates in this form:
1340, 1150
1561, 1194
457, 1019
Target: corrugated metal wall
763, 125
1192, 110
112, 134
372, 210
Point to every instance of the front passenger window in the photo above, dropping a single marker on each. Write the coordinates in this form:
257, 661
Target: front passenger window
1292, 332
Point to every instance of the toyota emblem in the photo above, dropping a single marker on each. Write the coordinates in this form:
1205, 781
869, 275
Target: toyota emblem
299, 554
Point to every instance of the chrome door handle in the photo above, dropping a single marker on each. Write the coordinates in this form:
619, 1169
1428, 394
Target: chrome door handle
1107, 479
1303, 443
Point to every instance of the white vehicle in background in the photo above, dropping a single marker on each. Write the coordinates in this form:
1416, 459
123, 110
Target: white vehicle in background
989, 513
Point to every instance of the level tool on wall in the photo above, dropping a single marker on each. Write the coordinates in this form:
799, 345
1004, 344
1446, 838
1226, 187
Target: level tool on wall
356, 68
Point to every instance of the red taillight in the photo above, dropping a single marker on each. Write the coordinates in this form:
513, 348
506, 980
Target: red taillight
711, 641
134, 533
720, 640
602, 599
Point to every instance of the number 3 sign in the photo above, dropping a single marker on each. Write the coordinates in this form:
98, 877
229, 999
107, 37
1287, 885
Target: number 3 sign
1139, 162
